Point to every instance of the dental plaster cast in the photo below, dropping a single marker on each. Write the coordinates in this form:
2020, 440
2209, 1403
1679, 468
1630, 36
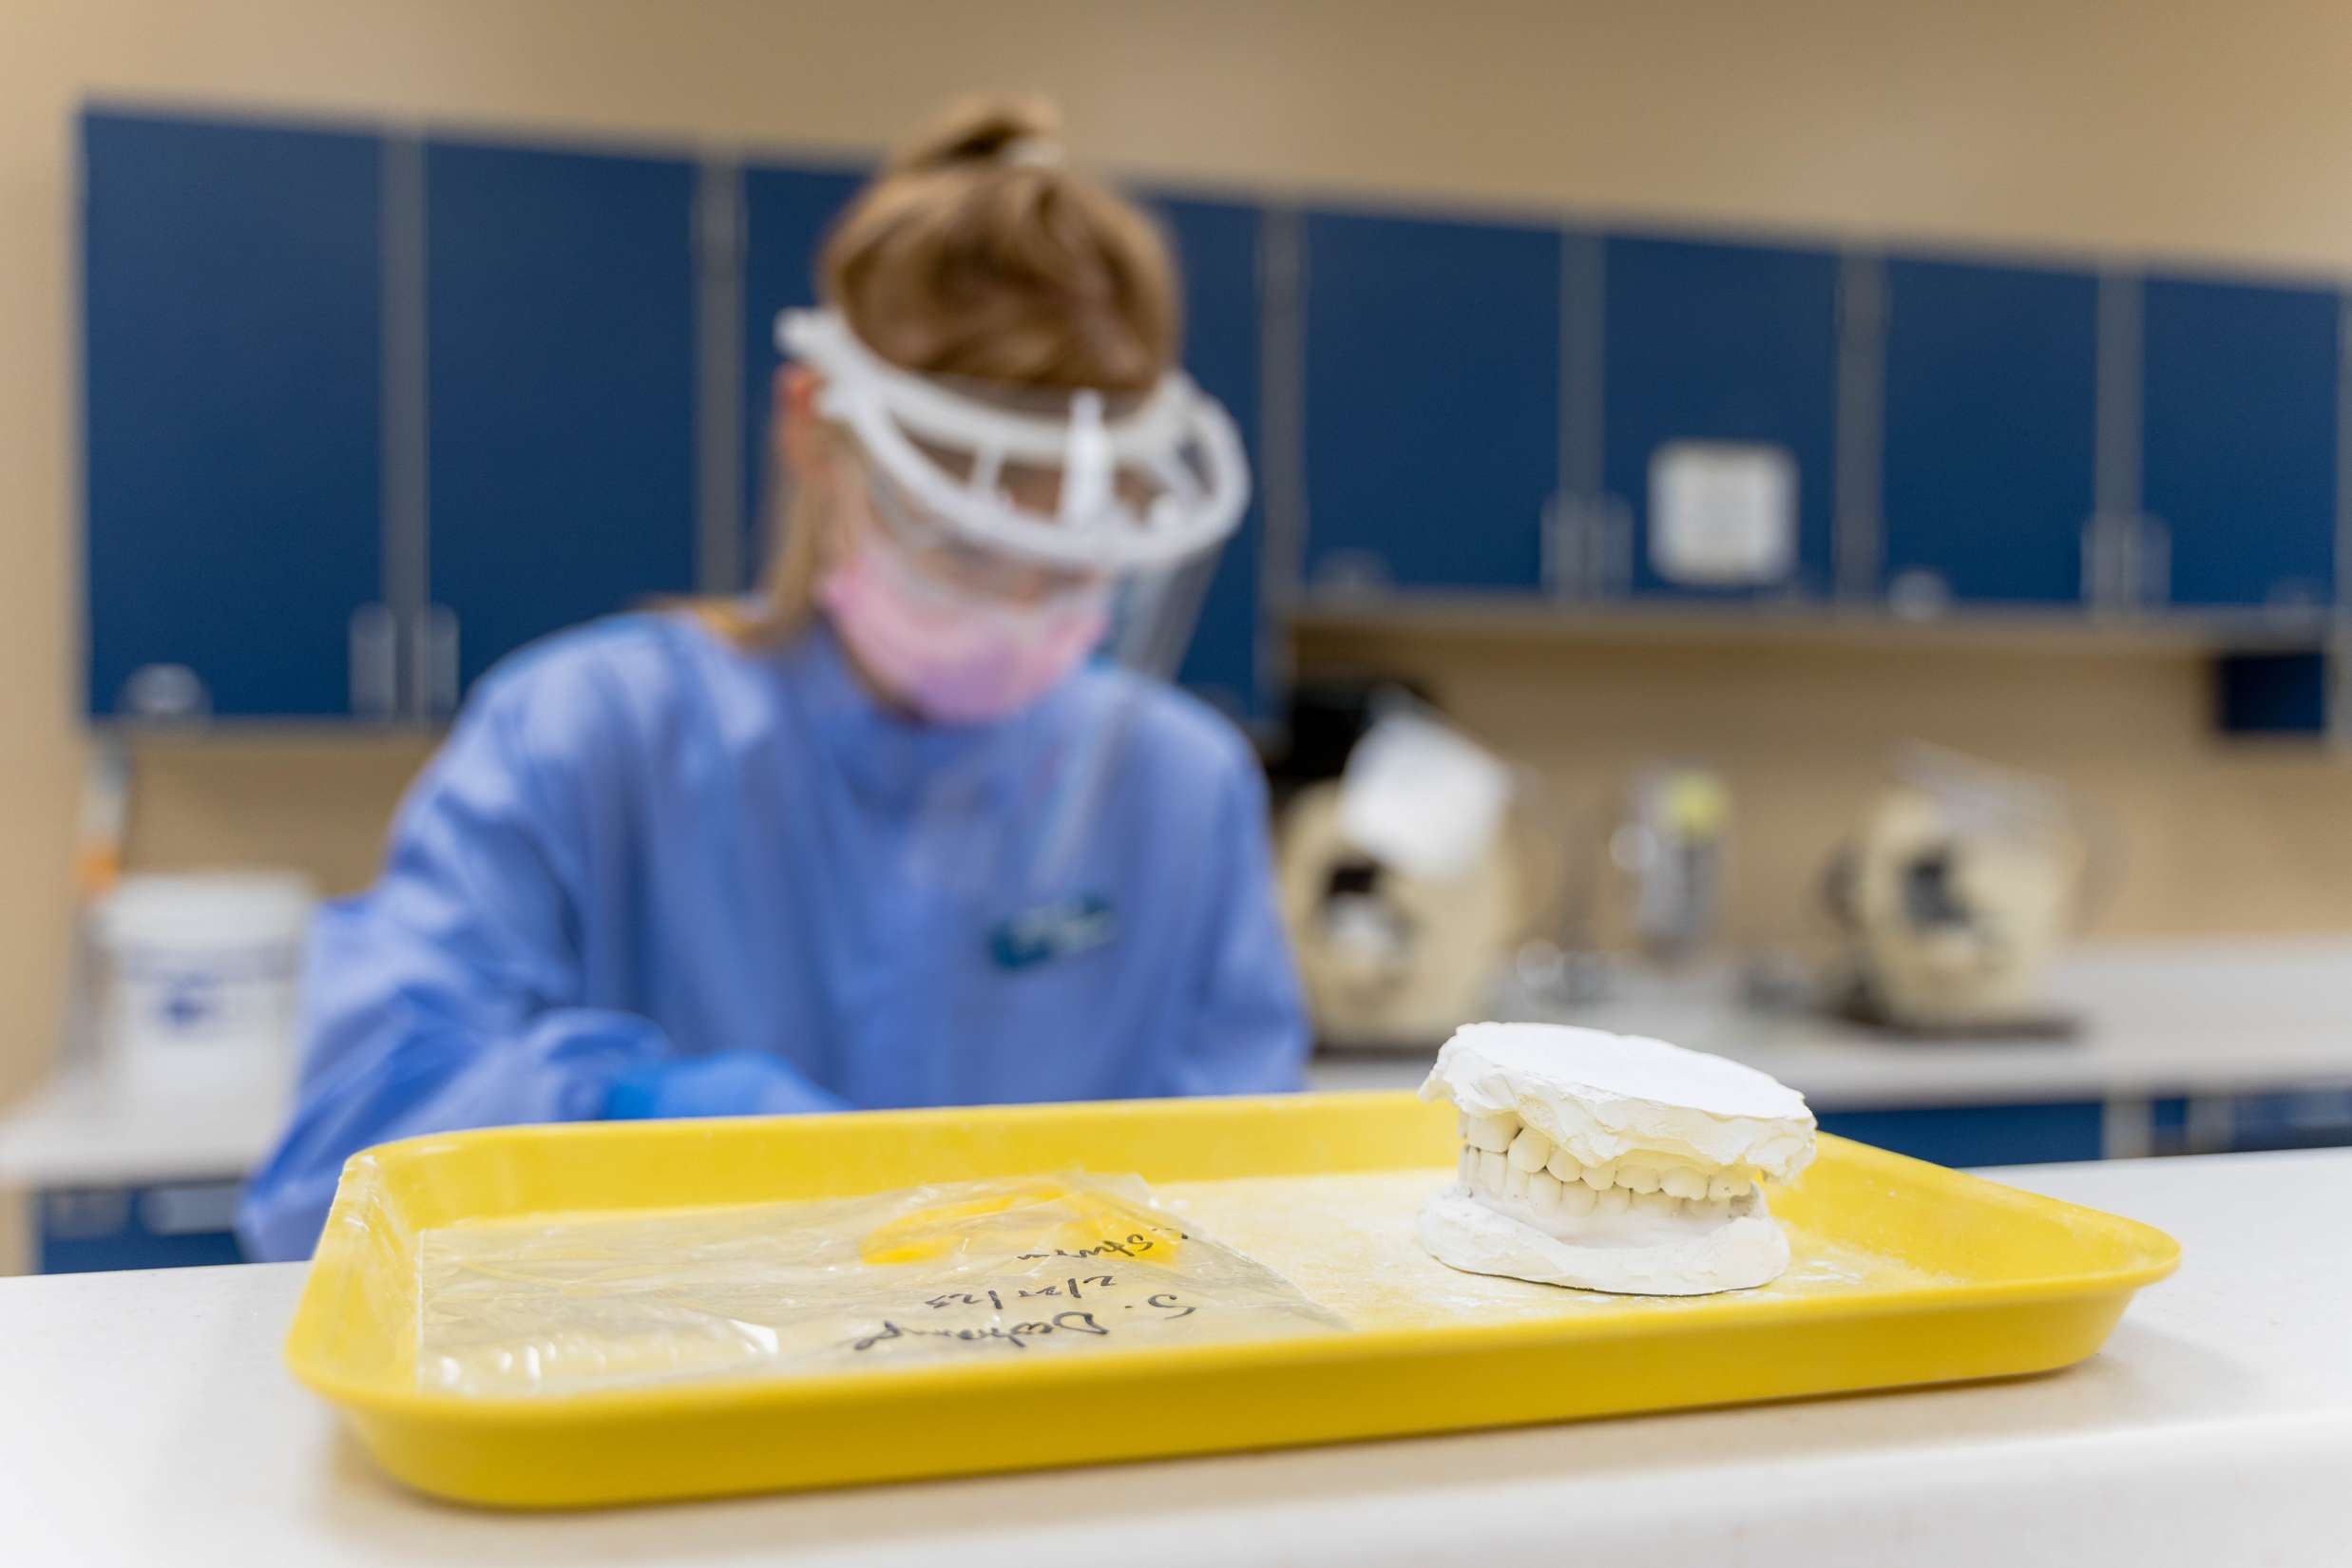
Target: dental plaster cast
1612, 1162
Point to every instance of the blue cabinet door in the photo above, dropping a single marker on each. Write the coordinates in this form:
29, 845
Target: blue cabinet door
2238, 458
2306, 1119
233, 387
1433, 401
173, 1225
1217, 247
1979, 1134
1991, 444
560, 302
785, 213
1731, 343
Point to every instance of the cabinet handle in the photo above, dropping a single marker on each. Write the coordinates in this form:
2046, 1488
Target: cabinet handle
1587, 547
2295, 597
2152, 562
374, 662
84, 1214
165, 694
1916, 594
1562, 552
1357, 574
2110, 562
441, 660
190, 1208
1613, 550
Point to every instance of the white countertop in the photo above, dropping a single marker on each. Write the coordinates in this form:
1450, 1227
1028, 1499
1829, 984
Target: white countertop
79, 1129
2169, 1018
149, 1420
2161, 1019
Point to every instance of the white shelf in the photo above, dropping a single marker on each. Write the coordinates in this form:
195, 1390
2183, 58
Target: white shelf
2021, 628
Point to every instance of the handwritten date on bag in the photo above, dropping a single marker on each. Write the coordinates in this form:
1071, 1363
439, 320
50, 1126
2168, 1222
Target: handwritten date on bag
1135, 1245
1073, 1288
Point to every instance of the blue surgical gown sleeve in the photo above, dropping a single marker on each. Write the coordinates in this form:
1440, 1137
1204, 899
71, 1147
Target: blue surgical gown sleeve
1251, 1035
451, 994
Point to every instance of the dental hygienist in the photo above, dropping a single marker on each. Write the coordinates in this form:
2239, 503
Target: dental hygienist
892, 833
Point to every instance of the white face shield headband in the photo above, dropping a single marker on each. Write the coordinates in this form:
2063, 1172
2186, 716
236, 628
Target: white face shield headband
1048, 479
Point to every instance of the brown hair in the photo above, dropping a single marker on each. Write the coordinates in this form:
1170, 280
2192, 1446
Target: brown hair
976, 254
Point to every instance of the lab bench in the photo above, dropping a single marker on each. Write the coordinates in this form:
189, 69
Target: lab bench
2188, 1048
117, 1180
2037, 1131
2185, 1048
155, 1421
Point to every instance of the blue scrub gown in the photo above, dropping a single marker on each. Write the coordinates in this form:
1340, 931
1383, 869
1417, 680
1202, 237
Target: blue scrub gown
652, 874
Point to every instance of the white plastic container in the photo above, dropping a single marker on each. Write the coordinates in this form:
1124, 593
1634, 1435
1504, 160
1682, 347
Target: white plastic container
1422, 796
200, 976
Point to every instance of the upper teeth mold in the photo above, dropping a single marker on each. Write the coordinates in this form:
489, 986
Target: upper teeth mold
1611, 1162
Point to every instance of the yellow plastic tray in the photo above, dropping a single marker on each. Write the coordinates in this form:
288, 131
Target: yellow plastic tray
2033, 1284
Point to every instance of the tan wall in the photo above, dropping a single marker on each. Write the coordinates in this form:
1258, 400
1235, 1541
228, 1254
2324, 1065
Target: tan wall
2192, 129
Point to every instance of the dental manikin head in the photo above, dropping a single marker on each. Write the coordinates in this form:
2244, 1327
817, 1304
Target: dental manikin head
1612, 1162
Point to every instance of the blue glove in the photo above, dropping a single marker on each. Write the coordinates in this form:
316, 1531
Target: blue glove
729, 1083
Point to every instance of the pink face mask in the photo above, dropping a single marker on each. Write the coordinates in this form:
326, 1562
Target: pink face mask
951, 657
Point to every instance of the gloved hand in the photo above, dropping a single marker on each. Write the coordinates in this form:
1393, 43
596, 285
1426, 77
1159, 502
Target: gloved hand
729, 1083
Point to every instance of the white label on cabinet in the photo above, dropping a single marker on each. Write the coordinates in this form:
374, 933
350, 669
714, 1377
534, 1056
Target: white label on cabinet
1721, 514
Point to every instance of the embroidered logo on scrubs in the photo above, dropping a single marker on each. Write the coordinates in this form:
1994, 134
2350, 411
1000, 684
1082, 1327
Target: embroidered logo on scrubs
1050, 931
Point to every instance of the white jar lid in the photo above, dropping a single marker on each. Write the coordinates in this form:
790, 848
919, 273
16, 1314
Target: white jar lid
206, 908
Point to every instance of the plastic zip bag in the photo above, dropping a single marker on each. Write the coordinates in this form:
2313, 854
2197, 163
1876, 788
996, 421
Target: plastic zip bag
966, 1272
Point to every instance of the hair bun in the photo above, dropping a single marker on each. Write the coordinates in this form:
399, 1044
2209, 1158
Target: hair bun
984, 130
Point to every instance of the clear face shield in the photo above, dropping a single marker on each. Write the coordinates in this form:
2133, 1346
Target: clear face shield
1013, 532
1024, 502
